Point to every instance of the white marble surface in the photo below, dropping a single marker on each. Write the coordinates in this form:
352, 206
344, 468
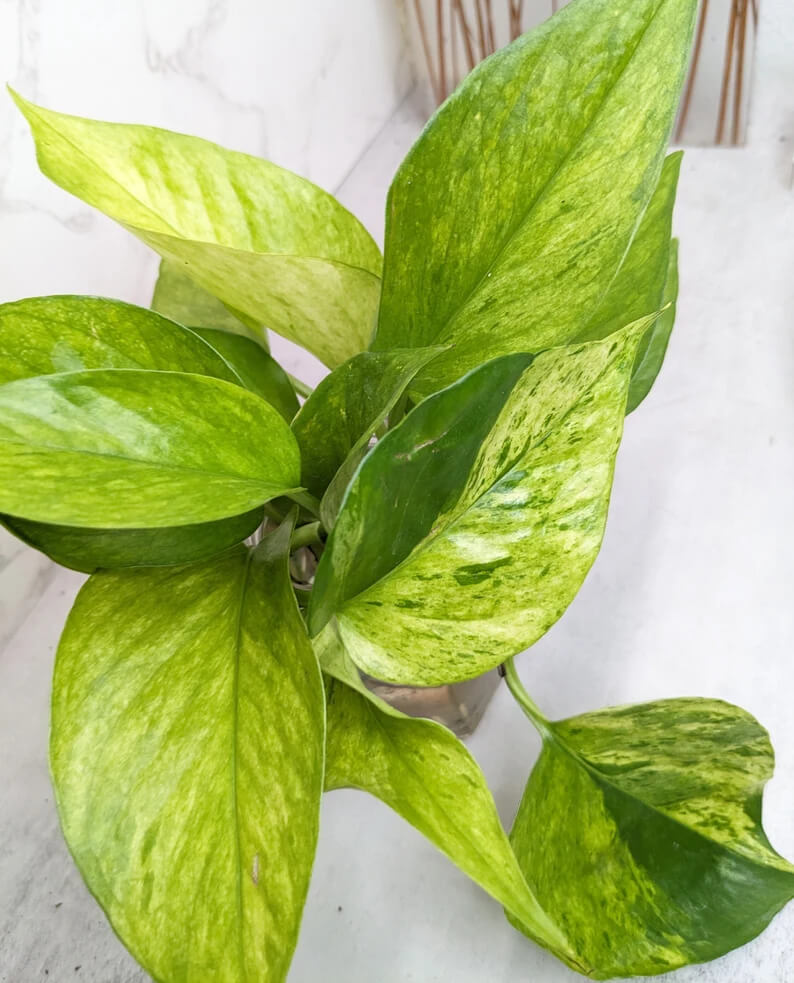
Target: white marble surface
690, 595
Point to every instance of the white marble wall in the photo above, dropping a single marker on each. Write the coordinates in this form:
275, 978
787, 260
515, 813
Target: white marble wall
307, 85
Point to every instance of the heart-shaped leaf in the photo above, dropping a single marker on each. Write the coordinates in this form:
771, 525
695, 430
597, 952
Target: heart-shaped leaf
258, 371
47, 335
187, 756
178, 297
640, 831
263, 240
89, 550
122, 448
335, 424
512, 213
423, 772
469, 528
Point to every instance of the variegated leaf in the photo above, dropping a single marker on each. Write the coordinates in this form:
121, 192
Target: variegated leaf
89, 550
49, 335
640, 830
180, 298
423, 772
125, 448
511, 215
469, 528
266, 242
256, 368
187, 757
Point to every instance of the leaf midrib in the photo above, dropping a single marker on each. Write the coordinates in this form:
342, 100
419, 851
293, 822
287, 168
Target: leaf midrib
140, 231
549, 184
234, 783
143, 461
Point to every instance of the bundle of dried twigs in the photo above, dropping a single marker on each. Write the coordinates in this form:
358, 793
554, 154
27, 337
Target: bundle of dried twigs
457, 34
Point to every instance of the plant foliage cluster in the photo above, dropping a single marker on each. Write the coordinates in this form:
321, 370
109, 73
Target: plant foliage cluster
451, 474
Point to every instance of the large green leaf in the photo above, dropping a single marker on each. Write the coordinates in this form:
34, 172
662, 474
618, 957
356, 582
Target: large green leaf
335, 424
469, 528
180, 298
423, 772
122, 448
89, 550
187, 756
263, 240
46, 335
509, 218
259, 371
640, 830
653, 346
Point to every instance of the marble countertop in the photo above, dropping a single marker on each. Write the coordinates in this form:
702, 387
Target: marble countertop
691, 595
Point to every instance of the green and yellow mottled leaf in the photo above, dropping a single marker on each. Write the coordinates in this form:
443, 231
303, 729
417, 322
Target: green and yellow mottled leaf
653, 346
178, 297
511, 215
124, 448
187, 756
640, 831
266, 242
89, 550
335, 424
423, 772
258, 370
470, 527
48, 335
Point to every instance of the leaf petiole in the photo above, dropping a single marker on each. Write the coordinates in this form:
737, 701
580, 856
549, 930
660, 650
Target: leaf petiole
522, 698
307, 501
301, 388
305, 535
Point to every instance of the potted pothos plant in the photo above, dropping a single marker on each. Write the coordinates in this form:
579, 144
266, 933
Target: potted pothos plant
451, 475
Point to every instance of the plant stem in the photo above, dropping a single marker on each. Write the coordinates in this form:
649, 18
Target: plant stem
274, 513
301, 388
305, 536
307, 501
523, 699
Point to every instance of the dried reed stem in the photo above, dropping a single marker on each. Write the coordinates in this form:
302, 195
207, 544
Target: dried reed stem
420, 20
453, 43
739, 80
442, 54
480, 29
468, 38
727, 72
489, 20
